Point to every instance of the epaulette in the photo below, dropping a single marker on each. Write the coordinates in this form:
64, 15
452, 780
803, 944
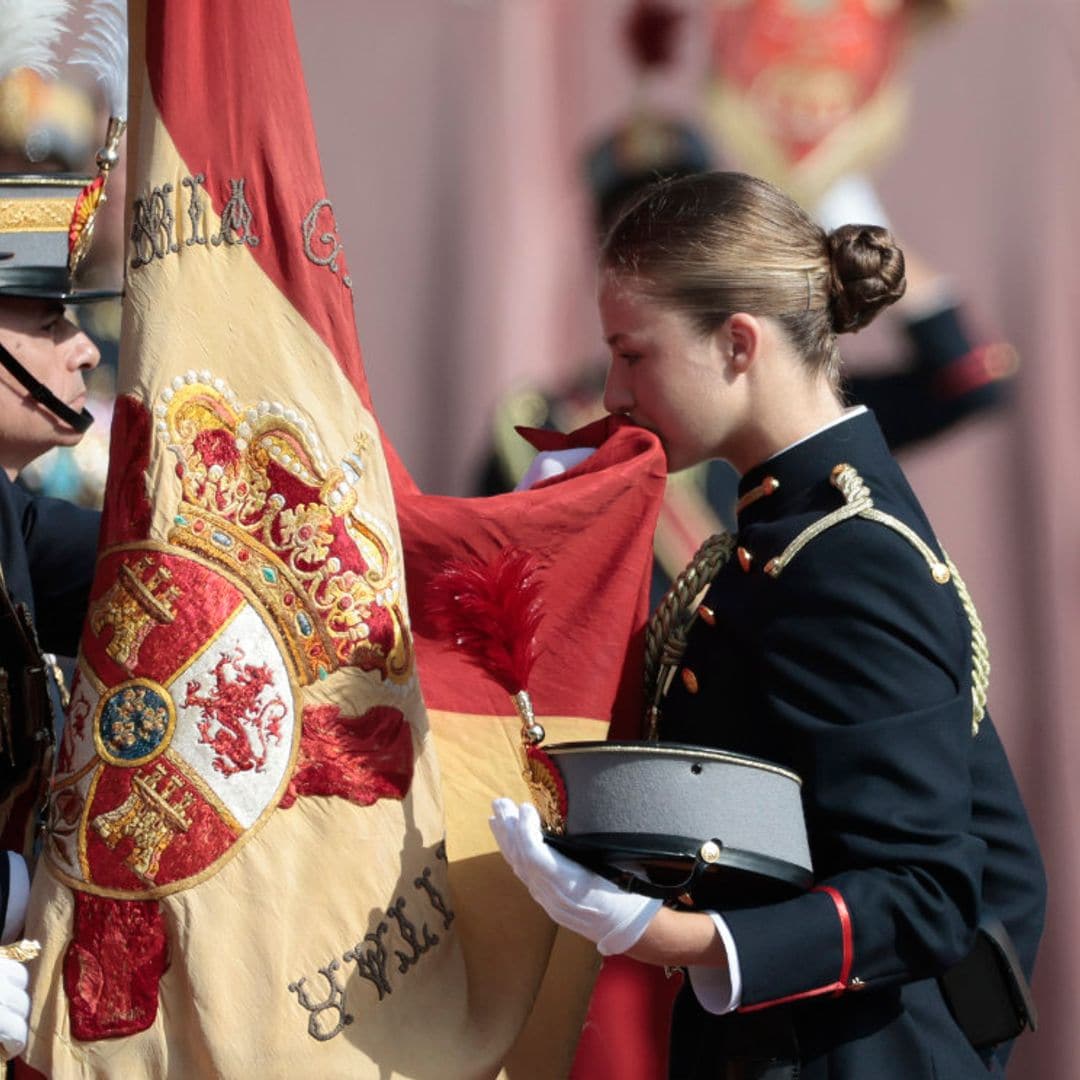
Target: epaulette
858, 502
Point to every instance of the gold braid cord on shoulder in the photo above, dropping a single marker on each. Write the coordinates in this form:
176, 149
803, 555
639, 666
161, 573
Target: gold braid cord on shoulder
858, 502
980, 651
665, 636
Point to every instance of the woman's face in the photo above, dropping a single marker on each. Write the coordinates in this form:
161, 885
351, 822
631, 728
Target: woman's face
666, 376
57, 353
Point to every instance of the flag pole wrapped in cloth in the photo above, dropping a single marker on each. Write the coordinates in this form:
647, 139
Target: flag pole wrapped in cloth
265, 856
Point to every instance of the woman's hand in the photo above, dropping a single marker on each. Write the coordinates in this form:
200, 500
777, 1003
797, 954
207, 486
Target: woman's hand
574, 897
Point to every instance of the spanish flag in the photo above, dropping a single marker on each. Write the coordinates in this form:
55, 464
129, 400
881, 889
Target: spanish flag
267, 855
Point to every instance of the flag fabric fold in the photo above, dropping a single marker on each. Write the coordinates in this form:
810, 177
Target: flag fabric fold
266, 855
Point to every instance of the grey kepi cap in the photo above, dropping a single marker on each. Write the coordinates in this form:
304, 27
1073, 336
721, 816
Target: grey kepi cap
41, 217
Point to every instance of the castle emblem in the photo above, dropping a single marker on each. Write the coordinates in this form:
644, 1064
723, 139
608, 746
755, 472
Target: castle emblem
140, 599
151, 816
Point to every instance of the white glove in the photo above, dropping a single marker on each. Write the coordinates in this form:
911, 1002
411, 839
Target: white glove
574, 897
549, 463
14, 1008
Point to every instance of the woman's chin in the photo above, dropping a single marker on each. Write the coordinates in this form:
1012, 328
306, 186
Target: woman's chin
679, 460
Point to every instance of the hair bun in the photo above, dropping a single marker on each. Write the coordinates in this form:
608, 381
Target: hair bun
867, 274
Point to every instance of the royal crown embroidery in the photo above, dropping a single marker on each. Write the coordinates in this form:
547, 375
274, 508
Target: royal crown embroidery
260, 499
189, 721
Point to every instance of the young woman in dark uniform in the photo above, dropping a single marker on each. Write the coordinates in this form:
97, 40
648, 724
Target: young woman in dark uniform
838, 641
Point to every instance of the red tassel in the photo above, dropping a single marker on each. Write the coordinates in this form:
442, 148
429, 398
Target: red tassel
491, 611
359, 758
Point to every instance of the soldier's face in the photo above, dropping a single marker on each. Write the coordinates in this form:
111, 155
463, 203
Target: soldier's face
57, 353
667, 376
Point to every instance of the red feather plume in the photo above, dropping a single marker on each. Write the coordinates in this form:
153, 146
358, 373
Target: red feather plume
491, 611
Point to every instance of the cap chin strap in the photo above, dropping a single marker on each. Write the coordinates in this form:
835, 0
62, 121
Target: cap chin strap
79, 421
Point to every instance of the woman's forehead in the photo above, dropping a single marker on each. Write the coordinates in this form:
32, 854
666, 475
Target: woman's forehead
625, 307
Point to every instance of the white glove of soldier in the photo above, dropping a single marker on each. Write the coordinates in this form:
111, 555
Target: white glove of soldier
574, 897
549, 463
14, 1008
14, 1000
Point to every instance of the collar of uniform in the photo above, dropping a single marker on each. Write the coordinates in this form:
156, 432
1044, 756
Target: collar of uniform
807, 465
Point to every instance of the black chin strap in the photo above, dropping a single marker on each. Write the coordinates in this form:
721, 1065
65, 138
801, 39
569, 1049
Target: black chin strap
79, 421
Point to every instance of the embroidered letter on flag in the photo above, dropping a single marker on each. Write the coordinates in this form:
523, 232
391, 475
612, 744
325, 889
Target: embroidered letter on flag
265, 856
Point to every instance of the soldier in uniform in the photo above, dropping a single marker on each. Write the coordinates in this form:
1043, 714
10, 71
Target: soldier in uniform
837, 640
47, 546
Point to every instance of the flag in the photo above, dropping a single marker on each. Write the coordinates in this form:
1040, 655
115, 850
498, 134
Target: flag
265, 855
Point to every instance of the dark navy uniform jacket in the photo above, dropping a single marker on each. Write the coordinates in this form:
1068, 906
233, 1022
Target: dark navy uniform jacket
853, 667
47, 551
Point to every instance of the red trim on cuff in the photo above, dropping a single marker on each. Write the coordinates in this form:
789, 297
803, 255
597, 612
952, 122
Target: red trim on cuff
846, 937
984, 364
847, 957
832, 988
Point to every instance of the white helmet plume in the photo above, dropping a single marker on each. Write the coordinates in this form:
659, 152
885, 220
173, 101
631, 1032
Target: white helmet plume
31, 29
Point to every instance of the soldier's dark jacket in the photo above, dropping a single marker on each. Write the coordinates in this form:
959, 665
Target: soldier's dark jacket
47, 553
850, 662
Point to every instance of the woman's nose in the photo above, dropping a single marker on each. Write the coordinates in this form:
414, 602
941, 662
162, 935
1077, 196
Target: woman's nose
617, 396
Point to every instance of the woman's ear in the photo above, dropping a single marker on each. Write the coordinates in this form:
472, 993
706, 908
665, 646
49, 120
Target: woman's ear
743, 335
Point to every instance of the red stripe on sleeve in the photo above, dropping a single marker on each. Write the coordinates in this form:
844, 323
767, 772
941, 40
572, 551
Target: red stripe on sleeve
846, 959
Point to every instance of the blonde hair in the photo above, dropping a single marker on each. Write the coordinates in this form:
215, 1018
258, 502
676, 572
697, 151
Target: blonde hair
716, 243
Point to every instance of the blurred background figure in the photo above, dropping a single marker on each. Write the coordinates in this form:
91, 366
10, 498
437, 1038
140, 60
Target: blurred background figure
45, 125
804, 92
54, 126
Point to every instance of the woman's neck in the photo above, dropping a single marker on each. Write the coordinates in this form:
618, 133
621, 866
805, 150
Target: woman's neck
786, 415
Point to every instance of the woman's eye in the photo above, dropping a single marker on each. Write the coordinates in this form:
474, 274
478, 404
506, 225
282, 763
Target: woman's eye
630, 358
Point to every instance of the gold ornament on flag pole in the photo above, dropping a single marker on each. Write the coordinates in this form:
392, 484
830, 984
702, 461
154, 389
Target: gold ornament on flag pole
22, 951
104, 50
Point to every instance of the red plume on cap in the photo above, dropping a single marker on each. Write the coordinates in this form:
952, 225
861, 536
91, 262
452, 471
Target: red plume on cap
491, 611
650, 32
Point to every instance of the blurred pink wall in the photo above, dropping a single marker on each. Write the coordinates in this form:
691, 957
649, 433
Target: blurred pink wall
451, 133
